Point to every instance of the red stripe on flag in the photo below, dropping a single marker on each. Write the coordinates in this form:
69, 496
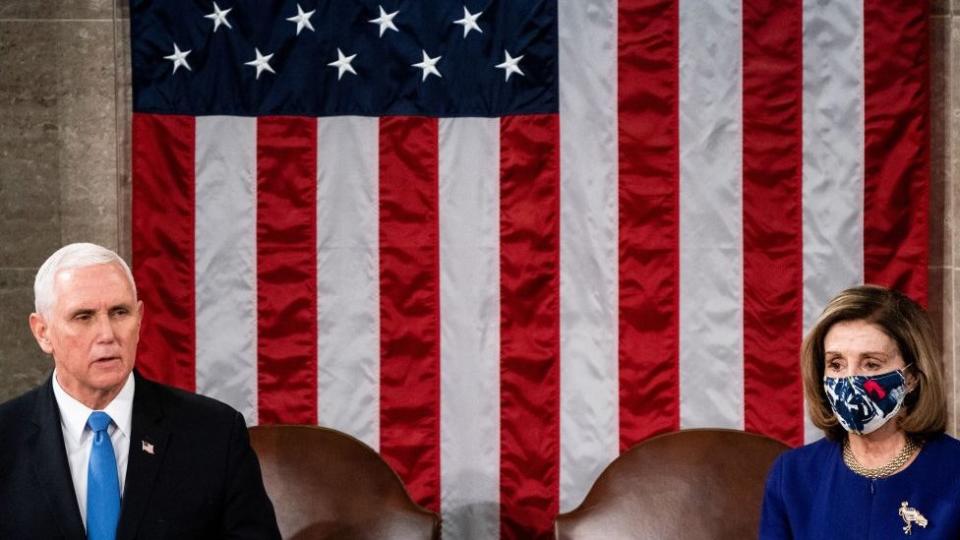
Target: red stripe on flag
286, 270
410, 304
163, 229
897, 135
649, 162
773, 217
529, 325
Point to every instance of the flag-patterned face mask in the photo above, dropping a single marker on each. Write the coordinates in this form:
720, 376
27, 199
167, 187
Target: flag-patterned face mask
864, 403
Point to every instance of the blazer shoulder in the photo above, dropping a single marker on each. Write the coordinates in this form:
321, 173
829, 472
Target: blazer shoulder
810, 457
21, 415
21, 408
944, 451
948, 443
180, 404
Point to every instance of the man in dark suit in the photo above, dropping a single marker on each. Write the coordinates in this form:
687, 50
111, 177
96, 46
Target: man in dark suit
97, 451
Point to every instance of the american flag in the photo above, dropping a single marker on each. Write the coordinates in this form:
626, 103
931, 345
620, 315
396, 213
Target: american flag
501, 242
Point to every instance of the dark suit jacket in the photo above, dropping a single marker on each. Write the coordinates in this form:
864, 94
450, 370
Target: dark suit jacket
201, 481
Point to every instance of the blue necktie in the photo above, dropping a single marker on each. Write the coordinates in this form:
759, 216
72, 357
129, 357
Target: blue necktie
103, 485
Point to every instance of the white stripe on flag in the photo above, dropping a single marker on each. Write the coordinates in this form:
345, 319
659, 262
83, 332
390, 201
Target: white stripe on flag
711, 238
469, 208
348, 285
225, 261
589, 375
833, 148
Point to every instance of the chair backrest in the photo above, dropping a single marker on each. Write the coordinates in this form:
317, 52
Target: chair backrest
325, 484
692, 484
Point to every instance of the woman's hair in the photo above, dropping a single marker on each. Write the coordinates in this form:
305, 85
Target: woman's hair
907, 324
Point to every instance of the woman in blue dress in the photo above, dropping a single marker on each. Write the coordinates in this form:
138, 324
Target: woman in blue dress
873, 382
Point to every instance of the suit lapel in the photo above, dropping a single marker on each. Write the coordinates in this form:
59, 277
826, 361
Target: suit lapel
51, 466
148, 444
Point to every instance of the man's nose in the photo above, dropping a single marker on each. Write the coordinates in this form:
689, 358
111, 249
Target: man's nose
105, 330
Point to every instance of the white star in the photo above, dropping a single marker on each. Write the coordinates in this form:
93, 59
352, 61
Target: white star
510, 65
385, 20
302, 19
261, 62
469, 21
428, 65
342, 63
179, 58
219, 17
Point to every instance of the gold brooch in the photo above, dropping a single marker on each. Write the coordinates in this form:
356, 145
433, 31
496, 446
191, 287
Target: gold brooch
911, 516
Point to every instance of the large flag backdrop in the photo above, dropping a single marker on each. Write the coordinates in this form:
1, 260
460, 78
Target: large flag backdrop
503, 241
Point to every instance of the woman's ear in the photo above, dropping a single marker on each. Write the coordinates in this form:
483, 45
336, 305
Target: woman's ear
911, 378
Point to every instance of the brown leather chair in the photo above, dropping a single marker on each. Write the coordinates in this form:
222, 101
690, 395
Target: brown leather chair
692, 484
325, 484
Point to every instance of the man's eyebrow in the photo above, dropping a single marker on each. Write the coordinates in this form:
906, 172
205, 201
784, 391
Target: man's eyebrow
81, 311
91, 311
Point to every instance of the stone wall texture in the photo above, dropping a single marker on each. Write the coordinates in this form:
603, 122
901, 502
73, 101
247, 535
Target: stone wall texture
59, 146
64, 160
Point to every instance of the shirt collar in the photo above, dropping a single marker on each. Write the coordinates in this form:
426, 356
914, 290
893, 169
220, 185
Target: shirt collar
73, 414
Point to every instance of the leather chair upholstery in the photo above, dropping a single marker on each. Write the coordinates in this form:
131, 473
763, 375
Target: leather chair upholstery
325, 484
692, 484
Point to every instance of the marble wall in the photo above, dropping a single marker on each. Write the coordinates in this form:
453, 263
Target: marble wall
64, 152
945, 191
59, 112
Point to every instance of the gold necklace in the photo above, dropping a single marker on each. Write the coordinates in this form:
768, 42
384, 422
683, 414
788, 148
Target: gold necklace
885, 470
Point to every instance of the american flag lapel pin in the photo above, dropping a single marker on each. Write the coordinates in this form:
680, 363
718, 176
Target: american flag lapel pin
147, 447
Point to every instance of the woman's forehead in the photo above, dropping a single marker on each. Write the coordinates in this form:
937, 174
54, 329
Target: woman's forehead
858, 335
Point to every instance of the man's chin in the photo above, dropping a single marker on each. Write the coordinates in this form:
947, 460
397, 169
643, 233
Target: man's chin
108, 373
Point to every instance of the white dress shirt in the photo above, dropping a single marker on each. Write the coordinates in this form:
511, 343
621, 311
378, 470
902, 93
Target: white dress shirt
78, 438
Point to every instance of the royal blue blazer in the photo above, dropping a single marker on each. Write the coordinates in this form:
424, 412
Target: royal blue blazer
812, 494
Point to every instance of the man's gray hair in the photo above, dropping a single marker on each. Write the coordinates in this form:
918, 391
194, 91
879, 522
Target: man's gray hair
79, 255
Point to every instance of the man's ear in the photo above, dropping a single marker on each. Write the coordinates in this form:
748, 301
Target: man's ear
139, 315
38, 326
